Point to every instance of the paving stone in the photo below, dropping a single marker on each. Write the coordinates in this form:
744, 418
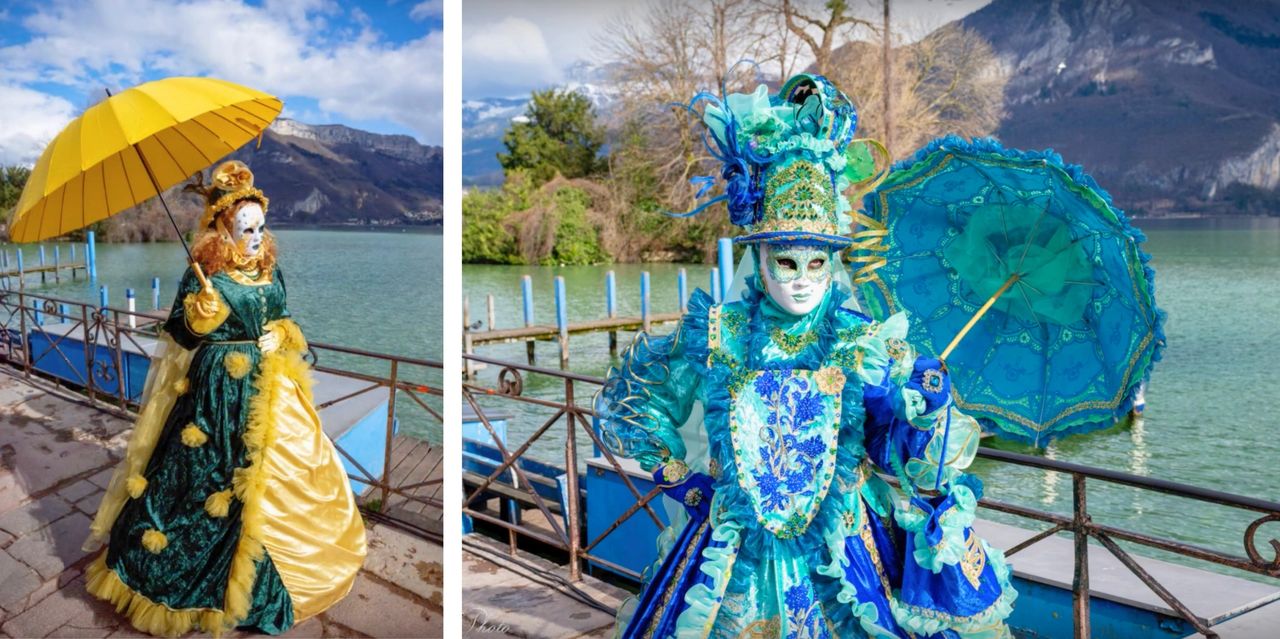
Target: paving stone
127, 632
12, 494
17, 581
309, 629
102, 478
53, 612
89, 505
77, 491
33, 516
378, 611
71, 630
47, 457
412, 563
498, 601
51, 549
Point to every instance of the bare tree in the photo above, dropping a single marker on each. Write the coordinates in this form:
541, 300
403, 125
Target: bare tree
666, 56
822, 31
948, 82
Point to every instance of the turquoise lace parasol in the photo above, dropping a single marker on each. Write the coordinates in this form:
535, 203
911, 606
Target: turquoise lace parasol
1017, 271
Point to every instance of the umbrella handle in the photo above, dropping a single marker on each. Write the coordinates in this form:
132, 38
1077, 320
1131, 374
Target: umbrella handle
955, 341
204, 281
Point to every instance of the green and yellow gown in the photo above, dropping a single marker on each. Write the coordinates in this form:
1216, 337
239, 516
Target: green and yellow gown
231, 507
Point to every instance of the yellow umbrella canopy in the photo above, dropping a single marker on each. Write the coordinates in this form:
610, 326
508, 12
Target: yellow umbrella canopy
122, 149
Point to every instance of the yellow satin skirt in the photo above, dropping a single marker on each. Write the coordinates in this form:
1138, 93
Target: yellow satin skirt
311, 527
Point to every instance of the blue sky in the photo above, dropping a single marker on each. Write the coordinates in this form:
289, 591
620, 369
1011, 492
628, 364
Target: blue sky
375, 66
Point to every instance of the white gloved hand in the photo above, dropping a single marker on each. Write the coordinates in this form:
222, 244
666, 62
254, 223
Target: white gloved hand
270, 340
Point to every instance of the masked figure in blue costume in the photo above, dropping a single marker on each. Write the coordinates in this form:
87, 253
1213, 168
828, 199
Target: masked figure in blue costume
768, 417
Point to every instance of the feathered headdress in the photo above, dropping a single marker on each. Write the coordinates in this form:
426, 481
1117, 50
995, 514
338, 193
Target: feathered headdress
786, 160
231, 182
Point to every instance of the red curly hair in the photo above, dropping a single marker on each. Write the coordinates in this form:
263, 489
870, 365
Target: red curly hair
216, 252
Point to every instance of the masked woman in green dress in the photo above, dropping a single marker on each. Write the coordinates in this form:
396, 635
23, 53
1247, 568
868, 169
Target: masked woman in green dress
231, 507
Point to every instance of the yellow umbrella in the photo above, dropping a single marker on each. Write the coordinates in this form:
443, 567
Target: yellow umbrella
133, 145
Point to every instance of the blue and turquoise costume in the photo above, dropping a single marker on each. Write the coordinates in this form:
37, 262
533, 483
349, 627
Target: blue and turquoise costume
790, 531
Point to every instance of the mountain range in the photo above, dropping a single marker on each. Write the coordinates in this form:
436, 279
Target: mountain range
1172, 105
334, 174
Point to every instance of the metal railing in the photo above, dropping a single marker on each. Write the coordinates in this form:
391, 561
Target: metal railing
110, 336
570, 416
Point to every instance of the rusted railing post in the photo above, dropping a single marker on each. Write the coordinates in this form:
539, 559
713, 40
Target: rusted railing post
27, 359
90, 338
571, 481
385, 480
1080, 584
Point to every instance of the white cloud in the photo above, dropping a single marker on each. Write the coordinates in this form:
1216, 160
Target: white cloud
428, 9
504, 57
285, 48
31, 119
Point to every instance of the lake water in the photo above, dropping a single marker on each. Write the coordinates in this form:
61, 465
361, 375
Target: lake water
1210, 419
378, 291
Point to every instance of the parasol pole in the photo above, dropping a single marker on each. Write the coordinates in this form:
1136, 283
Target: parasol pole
160, 194
955, 341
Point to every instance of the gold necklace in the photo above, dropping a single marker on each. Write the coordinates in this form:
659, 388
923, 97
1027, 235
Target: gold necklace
792, 344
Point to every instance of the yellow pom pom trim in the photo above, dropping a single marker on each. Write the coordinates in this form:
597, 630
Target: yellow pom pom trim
136, 484
192, 436
218, 504
154, 541
237, 364
181, 386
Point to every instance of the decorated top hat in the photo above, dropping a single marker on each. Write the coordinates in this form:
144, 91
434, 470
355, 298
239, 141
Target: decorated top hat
784, 162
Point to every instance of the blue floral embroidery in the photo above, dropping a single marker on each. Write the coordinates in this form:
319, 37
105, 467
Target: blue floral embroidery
767, 384
804, 615
791, 459
770, 490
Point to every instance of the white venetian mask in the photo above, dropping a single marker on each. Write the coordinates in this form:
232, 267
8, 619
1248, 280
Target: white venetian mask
796, 277
248, 228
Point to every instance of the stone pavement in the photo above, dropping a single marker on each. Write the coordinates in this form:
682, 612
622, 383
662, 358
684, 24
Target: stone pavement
506, 598
56, 456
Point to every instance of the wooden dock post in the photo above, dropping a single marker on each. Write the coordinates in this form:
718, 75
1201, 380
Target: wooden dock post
682, 289
73, 260
155, 293
526, 294
4, 268
57, 263
22, 280
133, 307
715, 284
468, 369
488, 301
611, 307
91, 257
644, 300
725, 246
62, 312
43, 276
102, 296
39, 317
562, 322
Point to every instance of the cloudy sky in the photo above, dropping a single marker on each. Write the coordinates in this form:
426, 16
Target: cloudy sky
510, 47
375, 66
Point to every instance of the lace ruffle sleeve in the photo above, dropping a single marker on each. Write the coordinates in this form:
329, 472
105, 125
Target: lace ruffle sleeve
649, 395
